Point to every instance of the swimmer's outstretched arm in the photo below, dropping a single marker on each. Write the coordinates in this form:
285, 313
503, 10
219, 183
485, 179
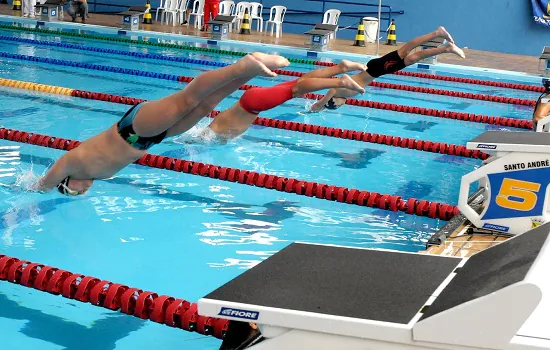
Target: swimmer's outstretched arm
57, 173
338, 92
319, 105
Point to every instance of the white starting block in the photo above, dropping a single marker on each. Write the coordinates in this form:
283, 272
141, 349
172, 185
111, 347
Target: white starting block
515, 180
50, 10
544, 60
317, 297
320, 35
543, 125
130, 17
434, 43
219, 27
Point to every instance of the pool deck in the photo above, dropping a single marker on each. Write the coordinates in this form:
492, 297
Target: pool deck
475, 58
462, 244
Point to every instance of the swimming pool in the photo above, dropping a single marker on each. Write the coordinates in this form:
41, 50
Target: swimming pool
184, 235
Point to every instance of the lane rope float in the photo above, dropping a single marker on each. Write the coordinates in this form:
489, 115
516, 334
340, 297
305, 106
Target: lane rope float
395, 141
331, 193
478, 118
443, 92
135, 302
526, 87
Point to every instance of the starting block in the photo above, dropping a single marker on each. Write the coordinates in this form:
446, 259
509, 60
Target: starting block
50, 10
219, 27
320, 35
434, 43
544, 61
318, 297
515, 181
130, 17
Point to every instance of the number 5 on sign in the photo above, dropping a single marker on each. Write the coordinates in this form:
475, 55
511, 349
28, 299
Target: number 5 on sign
518, 195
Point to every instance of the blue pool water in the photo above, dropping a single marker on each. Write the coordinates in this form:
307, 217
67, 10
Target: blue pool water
184, 235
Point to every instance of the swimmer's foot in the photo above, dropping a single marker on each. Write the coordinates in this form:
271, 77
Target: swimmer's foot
452, 48
348, 83
349, 66
443, 33
271, 61
251, 66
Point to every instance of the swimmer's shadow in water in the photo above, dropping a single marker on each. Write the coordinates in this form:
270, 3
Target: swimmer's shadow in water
273, 212
103, 334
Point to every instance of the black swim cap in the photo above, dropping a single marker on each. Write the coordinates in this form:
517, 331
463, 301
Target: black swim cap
331, 105
546, 83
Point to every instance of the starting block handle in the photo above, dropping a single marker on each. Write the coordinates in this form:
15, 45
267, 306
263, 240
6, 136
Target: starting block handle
543, 125
464, 195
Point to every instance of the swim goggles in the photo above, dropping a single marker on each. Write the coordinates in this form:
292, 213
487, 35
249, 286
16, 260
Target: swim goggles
64, 189
331, 104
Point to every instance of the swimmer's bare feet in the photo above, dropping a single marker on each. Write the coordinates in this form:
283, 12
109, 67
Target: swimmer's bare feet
251, 66
271, 61
349, 66
443, 33
348, 83
452, 48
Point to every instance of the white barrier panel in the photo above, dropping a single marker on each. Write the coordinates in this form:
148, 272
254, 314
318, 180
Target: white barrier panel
515, 181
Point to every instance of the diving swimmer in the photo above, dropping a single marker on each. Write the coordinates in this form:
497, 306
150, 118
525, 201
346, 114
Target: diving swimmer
542, 108
390, 63
236, 120
148, 123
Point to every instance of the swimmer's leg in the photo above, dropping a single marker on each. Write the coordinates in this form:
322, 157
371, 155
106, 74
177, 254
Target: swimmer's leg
440, 32
206, 106
157, 116
343, 67
447, 48
306, 85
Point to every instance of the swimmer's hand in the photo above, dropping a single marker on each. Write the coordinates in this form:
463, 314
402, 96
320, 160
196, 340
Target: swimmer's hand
317, 107
37, 187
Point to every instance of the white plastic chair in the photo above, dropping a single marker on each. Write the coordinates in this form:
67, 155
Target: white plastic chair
182, 10
170, 12
161, 7
198, 12
226, 7
239, 13
256, 14
331, 17
276, 18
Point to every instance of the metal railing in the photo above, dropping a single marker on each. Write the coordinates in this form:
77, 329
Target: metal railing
350, 18
92, 6
386, 13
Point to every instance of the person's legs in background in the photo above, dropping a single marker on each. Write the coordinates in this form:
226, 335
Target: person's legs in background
210, 7
73, 10
84, 11
32, 10
206, 18
25, 7
28, 8
189, 9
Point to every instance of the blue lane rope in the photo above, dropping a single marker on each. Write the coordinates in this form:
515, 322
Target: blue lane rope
91, 66
114, 51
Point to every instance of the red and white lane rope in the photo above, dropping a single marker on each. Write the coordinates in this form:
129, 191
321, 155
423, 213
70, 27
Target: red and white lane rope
135, 302
278, 183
